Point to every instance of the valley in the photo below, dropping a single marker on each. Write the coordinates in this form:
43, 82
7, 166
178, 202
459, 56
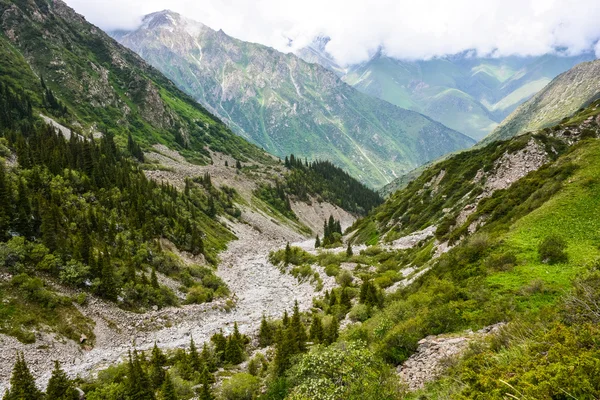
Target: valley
214, 233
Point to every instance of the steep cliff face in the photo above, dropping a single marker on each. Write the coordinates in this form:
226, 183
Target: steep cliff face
560, 98
287, 105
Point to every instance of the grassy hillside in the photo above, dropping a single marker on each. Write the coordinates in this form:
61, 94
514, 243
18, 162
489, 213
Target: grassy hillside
566, 94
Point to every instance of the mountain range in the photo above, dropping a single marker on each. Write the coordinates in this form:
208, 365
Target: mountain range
149, 252
466, 93
286, 105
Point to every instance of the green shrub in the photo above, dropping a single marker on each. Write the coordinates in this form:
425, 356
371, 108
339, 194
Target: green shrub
240, 386
552, 250
359, 312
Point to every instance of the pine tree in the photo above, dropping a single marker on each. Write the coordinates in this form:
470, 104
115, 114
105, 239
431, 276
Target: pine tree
317, 242
168, 390
288, 254
265, 334
154, 279
345, 300
285, 320
138, 385
208, 358
238, 164
22, 383
194, 357
234, 352
297, 330
349, 251
157, 372
60, 386
220, 343
281, 362
316, 333
332, 331
205, 392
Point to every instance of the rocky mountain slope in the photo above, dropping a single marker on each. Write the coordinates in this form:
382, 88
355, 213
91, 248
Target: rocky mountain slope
563, 96
286, 105
121, 199
469, 94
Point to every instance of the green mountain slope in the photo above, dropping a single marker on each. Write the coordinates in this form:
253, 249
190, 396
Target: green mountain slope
468, 94
105, 86
85, 209
288, 106
560, 98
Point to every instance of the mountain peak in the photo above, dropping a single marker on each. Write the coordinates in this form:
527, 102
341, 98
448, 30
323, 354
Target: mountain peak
171, 20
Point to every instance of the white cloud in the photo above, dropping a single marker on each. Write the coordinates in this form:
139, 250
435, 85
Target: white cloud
406, 29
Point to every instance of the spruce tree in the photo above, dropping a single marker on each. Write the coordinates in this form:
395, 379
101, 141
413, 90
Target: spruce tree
287, 254
285, 320
205, 392
317, 242
22, 383
332, 331
60, 386
194, 357
138, 385
349, 251
316, 333
234, 352
220, 343
154, 279
345, 300
265, 334
168, 390
297, 330
208, 358
157, 372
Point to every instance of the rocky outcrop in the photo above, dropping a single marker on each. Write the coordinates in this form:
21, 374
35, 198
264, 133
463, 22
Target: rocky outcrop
434, 353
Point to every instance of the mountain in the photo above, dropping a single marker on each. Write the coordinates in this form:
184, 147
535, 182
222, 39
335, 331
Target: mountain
504, 237
567, 93
468, 94
287, 105
120, 196
316, 53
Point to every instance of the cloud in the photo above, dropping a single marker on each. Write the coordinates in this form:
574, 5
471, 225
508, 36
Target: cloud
405, 29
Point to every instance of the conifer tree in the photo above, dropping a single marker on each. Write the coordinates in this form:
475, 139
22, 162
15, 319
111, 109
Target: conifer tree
157, 372
60, 386
22, 383
285, 320
154, 279
332, 331
234, 352
265, 334
205, 392
205, 375
220, 343
349, 251
297, 330
345, 300
194, 357
288, 254
168, 390
281, 362
317, 242
208, 358
138, 385
316, 333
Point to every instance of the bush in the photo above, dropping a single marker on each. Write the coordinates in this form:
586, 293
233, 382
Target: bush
241, 386
359, 312
199, 294
552, 250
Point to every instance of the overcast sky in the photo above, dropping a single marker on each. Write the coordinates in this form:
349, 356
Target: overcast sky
412, 29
